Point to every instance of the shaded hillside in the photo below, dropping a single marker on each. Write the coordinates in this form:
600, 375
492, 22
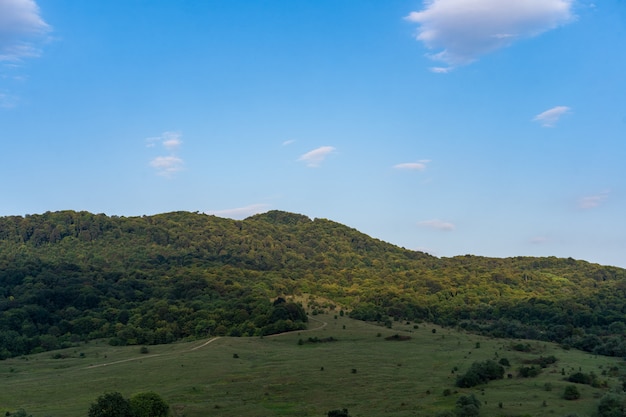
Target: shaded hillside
69, 276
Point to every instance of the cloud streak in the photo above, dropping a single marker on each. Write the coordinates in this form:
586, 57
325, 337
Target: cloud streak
463, 30
550, 118
315, 157
593, 201
437, 225
21, 29
413, 166
167, 165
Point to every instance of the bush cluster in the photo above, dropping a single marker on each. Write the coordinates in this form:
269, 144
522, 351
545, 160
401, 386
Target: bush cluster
480, 373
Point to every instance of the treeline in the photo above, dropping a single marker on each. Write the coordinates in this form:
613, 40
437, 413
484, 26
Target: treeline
71, 276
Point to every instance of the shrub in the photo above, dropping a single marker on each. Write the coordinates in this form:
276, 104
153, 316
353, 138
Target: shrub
571, 393
611, 405
480, 373
468, 406
529, 371
111, 404
398, 337
338, 413
149, 404
581, 378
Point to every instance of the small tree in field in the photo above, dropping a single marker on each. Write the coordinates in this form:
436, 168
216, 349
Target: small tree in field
468, 406
571, 393
112, 404
148, 404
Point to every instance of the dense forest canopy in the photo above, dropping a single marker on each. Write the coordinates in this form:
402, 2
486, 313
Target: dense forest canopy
70, 276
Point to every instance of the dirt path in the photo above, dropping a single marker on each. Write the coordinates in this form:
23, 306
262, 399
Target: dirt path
321, 326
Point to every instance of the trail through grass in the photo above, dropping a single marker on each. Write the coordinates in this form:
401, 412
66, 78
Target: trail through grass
287, 375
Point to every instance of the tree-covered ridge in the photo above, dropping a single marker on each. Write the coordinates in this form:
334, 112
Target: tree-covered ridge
69, 276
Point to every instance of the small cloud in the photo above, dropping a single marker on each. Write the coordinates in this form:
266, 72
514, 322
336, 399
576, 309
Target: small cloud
21, 28
593, 201
171, 140
463, 31
315, 157
7, 101
441, 70
550, 117
167, 165
171, 163
413, 166
241, 212
288, 142
437, 224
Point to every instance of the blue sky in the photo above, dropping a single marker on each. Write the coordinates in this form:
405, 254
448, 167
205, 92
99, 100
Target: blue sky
486, 127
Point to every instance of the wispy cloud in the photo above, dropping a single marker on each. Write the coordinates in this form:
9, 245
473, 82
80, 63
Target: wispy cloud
7, 101
464, 30
437, 224
413, 166
21, 30
539, 240
549, 118
241, 212
169, 164
315, 157
288, 142
171, 140
593, 201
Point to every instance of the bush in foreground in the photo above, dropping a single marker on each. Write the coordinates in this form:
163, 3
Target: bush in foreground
113, 404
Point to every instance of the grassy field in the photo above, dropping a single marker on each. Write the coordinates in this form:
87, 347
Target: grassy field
278, 376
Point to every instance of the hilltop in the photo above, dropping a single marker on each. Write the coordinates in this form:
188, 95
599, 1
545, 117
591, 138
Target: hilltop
70, 276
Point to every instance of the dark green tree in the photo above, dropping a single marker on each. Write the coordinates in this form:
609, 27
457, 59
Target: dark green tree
468, 406
480, 373
571, 393
111, 404
149, 404
612, 405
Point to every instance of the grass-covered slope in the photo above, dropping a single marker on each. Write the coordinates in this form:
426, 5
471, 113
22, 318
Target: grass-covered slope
70, 276
286, 375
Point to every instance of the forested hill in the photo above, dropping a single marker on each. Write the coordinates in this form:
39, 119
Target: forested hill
69, 276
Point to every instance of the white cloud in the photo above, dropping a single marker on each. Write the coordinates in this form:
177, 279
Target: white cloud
463, 30
315, 157
550, 117
21, 27
241, 212
437, 224
171, 163
413, 166
171, 140
593, 201
7, 101
288, 142
167, 165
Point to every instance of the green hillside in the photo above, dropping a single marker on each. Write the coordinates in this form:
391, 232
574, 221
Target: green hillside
365, 369
67, 277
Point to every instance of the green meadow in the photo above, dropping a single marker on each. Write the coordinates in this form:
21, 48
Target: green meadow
288, 375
